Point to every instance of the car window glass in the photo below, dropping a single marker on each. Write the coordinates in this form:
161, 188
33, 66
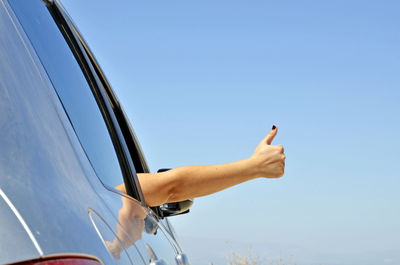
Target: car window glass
72, 88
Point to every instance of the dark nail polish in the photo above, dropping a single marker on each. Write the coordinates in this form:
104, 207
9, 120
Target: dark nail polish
273, 127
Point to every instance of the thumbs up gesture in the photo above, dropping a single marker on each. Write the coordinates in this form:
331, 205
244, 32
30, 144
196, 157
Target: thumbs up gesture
268, 160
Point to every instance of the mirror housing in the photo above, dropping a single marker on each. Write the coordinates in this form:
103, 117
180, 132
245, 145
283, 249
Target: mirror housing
174, 208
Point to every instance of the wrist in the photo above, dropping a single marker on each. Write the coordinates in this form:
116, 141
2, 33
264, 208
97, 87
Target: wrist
251, 168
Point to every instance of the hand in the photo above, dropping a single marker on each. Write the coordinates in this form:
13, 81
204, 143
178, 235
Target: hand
268, 160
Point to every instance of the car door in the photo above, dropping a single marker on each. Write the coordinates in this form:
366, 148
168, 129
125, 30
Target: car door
134, 235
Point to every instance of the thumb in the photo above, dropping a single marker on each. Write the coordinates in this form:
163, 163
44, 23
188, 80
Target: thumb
271, 135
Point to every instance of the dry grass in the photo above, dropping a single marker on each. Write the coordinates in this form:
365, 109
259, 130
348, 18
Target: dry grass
249, 259
239, 259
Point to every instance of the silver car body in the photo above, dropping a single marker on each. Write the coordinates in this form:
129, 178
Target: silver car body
51, 201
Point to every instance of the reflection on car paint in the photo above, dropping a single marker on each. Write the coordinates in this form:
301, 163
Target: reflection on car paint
106, 234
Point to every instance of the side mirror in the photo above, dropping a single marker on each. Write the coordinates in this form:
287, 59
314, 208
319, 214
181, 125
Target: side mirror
174, 208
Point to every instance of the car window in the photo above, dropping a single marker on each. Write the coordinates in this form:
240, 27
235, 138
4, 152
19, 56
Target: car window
72, 88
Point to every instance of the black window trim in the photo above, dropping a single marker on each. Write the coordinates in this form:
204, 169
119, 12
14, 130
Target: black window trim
120, 130
126, 128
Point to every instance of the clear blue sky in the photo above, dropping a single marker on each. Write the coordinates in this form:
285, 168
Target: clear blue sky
204, 81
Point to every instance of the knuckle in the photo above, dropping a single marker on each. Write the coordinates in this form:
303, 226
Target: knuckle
279, 148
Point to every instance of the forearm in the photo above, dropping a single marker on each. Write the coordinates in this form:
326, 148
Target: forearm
193, 181
196, 181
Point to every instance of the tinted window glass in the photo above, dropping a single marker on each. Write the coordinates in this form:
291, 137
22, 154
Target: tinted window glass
72, 88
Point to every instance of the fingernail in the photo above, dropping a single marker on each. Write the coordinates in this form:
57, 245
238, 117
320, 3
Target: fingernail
273, 127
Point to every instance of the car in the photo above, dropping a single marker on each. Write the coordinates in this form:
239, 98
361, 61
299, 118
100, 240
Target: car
66, 144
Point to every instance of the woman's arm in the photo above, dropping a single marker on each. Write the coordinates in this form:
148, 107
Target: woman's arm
187, 182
